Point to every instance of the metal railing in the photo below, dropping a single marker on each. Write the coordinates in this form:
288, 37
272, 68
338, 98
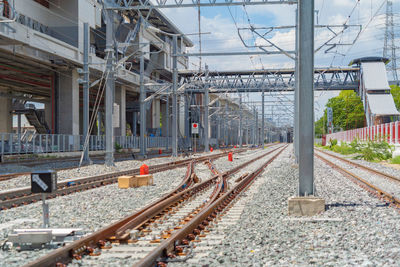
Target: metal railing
12, 143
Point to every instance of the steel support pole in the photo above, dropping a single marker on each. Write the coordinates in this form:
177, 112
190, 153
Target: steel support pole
86, 90
296, 94
187, 122
206, 120
262, 118
219, 125
167, 114
174, 100
257, 141
142, 97
306, 96
240, 122
109, 160
226, 124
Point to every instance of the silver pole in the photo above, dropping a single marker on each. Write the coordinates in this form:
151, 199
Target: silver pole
142, 97
167, 114
226, 124
218, 127
240, 122
206, 101
174, 100
187, 122
262, 118
306, 96
296, 95
109, 160
86, 90
257, 141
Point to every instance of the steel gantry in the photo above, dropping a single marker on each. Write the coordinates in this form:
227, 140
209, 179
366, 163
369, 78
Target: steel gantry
146, 4
268, 80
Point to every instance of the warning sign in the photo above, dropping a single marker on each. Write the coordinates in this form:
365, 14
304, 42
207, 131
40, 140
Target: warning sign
195, 128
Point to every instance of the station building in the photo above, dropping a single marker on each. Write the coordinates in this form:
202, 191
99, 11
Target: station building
41, 53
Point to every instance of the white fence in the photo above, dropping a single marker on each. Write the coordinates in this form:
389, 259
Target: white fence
11, 143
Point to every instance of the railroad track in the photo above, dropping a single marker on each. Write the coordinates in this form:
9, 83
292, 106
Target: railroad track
166, 227
23, 196
382, 194
31, 163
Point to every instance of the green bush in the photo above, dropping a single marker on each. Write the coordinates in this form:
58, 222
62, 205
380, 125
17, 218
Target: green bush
375, 151
118, 147
371, 150
395, 160
332, 143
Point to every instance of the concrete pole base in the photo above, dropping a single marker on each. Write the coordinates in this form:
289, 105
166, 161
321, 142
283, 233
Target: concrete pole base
305, 206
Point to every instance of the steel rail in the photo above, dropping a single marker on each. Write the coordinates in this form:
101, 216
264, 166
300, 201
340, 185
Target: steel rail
123, 232
203, 217
386, 197
83, 246
22, 196
391, 177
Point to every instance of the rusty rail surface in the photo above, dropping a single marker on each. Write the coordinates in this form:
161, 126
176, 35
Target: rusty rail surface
386, 197
206, 215
118, 230
23, 196
391, 177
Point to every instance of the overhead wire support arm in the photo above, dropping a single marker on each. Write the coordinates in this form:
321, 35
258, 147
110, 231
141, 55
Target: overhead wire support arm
146, 4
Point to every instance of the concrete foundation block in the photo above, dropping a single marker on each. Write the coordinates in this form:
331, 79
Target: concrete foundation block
144, 180
126, 181
306, 206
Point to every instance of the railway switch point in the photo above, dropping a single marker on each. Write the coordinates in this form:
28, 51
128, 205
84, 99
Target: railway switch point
306, 206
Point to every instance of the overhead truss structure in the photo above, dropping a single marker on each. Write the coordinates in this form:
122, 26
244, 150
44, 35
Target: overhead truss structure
146, 4
273, 80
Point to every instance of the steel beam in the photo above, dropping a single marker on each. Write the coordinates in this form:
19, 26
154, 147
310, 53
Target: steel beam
262, 118
110, 85
86, 81
145, 5
142, 97
306, 96
174, 99
206, 101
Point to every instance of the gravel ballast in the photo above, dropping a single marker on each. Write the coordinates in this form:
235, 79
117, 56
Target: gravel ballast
89, 210
91, 170
385, 184
356, 230
374, 165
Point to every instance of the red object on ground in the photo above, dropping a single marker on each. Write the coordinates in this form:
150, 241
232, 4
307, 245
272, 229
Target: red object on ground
324, 140
211, 149
230, 156
160, 151
234, 147
144, 169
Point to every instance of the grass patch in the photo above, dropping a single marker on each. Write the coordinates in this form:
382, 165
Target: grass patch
395, 160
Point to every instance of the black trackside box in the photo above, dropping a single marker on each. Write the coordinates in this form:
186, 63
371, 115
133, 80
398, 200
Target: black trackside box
44, 181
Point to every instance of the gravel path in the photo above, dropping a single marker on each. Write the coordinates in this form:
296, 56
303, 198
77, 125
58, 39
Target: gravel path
89, 210
356, 230
385, 184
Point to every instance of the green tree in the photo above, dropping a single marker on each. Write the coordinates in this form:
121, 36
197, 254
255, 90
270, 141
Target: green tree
348, 112
396, 95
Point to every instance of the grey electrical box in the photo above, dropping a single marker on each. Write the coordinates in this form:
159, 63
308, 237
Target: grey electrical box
44, 181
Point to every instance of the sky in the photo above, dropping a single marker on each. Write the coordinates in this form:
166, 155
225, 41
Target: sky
222, 23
